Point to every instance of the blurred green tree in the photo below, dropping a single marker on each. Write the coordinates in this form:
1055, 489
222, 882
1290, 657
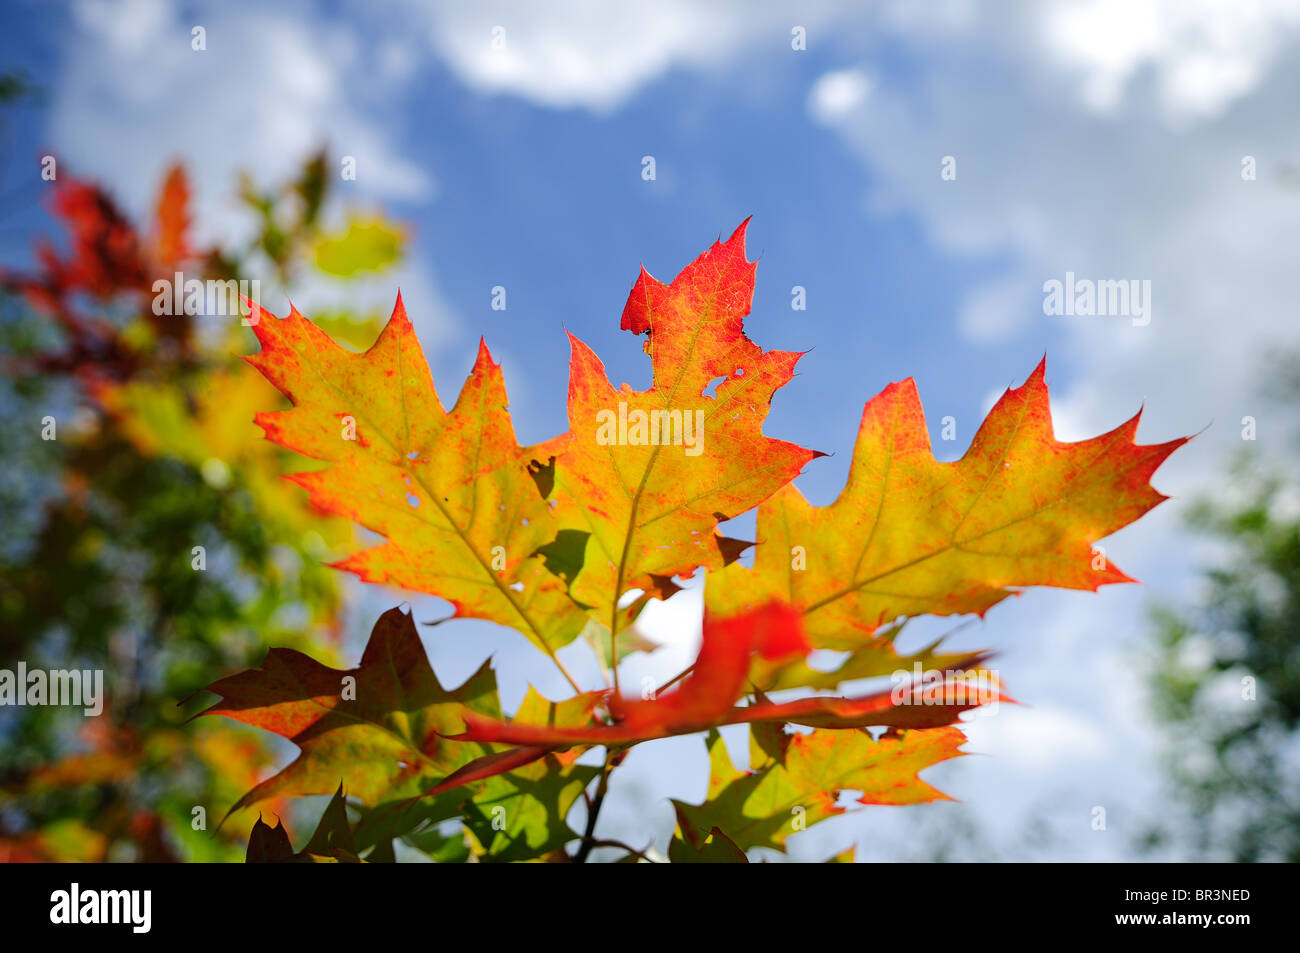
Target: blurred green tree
154, 454
1225, 677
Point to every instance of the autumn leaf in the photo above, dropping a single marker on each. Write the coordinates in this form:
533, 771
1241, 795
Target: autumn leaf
648, 475
170, 241
910, 536
911, 705
381, 730
332, 842
551, 539
105, 266
717, 680
871, 659
731, 649
718, 677
452, 492
716, 848
212, 429
520, 814
376, 728
779, 797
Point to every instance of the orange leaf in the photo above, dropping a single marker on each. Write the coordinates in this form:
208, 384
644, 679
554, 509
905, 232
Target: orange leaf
452, 491
172, 219
650, 474
911, 536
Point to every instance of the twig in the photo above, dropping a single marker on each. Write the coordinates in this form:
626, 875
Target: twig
612, 760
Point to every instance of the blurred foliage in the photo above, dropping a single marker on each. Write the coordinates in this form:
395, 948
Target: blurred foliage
1225, 676
367, 245
155, 454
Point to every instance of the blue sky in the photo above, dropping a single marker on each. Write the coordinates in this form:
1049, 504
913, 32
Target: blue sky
1095, 137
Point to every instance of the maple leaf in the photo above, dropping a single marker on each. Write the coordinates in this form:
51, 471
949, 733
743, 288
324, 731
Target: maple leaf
648, 475
785, 794
452, 492
911, 536
367, 245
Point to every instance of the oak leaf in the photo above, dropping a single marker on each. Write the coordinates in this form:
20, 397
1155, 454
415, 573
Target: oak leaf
630, 498
648, 475
911, 536
782, 796
452, 492
377, 728
332, 841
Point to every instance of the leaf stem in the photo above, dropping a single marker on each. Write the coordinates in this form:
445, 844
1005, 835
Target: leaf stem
613, 639
612, 760
564, 671
675, 679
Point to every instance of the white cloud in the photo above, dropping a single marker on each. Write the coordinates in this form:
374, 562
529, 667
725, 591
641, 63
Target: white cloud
596, 55
1203, 54
1037, 740
266, 92
838, 93
998, 309
1058, 189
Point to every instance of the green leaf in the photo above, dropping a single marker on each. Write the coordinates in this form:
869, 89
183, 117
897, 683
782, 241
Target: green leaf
763, 807
717, 848
521, 815
366, 245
